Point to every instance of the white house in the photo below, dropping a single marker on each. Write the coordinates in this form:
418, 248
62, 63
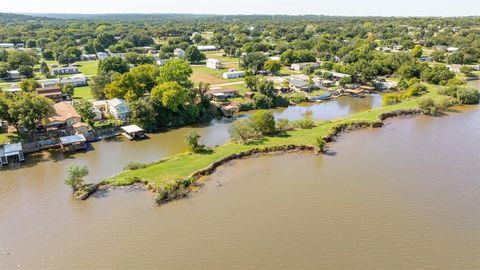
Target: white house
116, 107
7, 45
233, 74
207, 48
179, 53
14, 75
102, 55
64, 70
214, 63
88, 57
76, 81
452, 49
301, 66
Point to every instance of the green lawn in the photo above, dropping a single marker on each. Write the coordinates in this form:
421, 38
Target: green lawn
218, 55
88, 68
183, 165
83, 92
209, 75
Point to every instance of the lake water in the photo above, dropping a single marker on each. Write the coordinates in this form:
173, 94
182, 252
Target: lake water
406, 196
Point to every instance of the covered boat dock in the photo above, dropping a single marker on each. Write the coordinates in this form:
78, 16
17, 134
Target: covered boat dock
133, 132
77, 142
11, 151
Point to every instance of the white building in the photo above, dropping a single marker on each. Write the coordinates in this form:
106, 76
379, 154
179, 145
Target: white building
64, 70
207, 48
179, 53
14, 75
233, 74
7, 45
118, 108
214, 63
76, 81
102, 55
301, 66
88, 57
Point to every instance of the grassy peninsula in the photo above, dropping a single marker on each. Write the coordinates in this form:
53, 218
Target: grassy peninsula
167, 172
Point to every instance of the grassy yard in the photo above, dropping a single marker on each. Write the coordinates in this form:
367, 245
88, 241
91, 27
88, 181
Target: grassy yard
88, 68
209, 75
83, 92
218, 55
183, 165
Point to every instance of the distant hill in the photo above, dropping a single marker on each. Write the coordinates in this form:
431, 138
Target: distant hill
12, 17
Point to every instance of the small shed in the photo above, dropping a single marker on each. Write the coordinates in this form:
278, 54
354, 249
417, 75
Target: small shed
133, 131
77, 142
9, 151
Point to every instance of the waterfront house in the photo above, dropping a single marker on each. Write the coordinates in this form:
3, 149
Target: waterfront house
65, 115
11, 151
214, 63
54, 93
222, 94
302, 66
179, 53
118, 108
300, 84
233, 74
64, 70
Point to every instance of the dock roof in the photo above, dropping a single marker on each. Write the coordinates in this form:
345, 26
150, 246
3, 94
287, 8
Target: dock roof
79, 138
132, 129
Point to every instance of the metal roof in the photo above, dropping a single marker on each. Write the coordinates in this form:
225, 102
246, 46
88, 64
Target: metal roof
132, 129
72, 139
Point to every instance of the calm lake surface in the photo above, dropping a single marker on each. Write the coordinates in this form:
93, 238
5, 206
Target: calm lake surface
406, 196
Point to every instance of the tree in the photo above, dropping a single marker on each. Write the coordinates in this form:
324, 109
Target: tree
15, 59
115, 64
272, 66
176, 70
263, 122
44, 69
172, 95
139, 59
251, 80
427, 106
192, 139
29, 85
99, 82
437, 75
75, 177
85, 109
193, 55
417, 51
466, 70
68, 89
253, 61
27, 109
134, 84
438, 55
320, 143
143, 113
201, 90
26, 71
266, 87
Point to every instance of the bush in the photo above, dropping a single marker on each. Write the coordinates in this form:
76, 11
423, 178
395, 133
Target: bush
415, 90
283, 124
192, 139
320, 144
443, 103
133, 165
468, 95
392, 98
427, 106
243, 130
449, 91
303, 124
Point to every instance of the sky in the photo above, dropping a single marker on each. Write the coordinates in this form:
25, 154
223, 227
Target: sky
291, 7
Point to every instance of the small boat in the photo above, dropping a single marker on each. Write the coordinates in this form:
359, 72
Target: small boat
219, 184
